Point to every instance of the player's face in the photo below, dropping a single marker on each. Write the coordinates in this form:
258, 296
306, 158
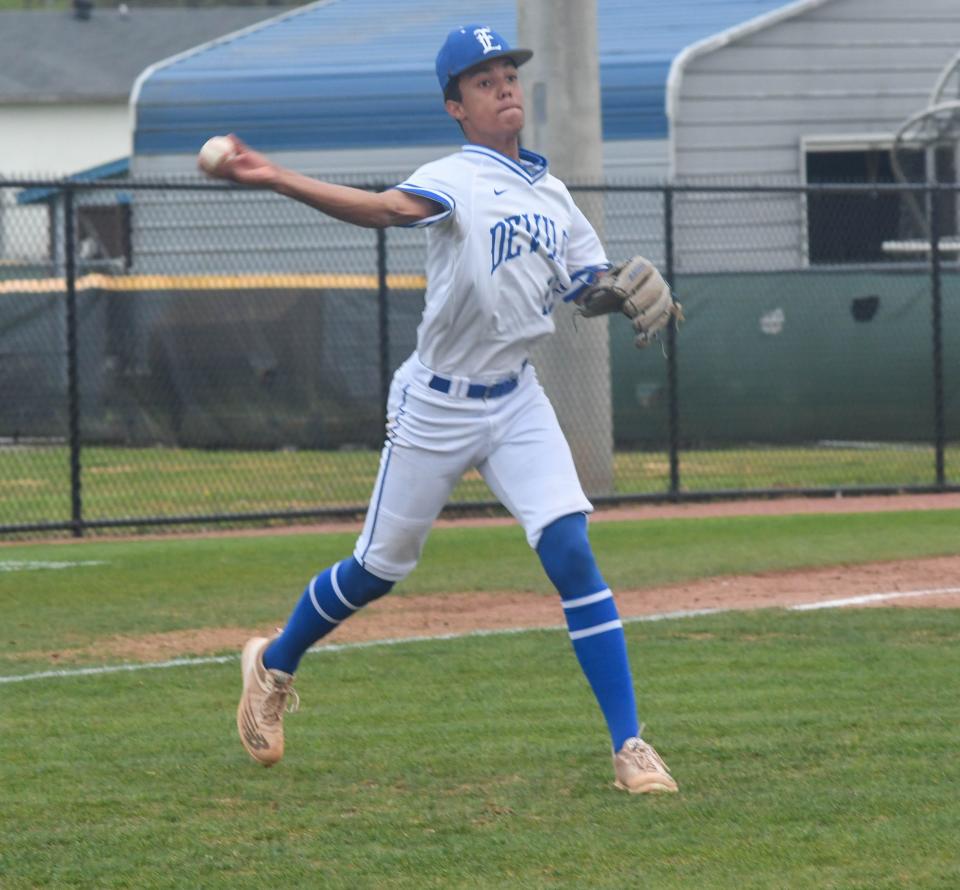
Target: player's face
491, 106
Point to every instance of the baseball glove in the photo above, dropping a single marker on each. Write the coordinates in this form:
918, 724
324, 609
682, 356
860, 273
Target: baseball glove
637, 290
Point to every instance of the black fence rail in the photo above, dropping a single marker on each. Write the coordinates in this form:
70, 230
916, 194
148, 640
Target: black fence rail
185, 353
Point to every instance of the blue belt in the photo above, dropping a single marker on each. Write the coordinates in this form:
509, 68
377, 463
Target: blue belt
478, 390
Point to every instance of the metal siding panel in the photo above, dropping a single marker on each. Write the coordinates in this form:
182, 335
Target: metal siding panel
771, 136
631, 99
887, 10
744, 109
624, 161
639, 160
762, 59
802, 110
749, 163
854, 33
185, 232
812, 79
728, 233
346, 111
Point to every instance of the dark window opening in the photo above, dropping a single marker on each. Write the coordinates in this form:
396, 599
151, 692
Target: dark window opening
103, 235
852, 228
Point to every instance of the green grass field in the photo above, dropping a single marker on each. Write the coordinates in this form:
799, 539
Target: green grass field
141, 482
813, 749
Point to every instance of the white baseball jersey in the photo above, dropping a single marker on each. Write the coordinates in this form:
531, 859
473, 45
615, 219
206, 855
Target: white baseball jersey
507, 245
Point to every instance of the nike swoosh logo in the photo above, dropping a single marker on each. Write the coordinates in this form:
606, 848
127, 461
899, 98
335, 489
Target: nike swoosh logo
500, 192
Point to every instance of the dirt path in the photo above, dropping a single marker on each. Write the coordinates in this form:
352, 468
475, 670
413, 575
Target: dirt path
457, 613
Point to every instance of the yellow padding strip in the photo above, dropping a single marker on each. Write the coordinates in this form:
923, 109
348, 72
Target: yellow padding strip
210, 282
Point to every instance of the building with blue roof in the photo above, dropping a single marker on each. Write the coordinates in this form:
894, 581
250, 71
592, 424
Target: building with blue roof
688, 88
691, 91
349, 75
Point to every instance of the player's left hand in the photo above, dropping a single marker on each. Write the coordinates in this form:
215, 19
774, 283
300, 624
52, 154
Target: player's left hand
636, 289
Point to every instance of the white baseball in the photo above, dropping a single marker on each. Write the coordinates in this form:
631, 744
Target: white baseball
215, 151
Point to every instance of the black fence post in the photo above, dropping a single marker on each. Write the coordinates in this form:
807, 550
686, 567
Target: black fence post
936, 305
672, 395
383, 316
73, 375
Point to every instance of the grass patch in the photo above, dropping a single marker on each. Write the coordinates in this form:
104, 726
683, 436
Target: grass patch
823, 467
141, 482
176, 584
813, 750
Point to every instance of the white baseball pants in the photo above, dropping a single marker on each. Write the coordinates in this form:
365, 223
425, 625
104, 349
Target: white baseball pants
433, 438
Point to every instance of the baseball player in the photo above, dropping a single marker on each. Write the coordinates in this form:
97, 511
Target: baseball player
505, 243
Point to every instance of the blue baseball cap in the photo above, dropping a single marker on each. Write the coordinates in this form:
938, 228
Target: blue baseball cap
470, 45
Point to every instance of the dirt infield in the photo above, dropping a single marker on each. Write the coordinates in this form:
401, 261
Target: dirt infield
459, 613
921, 583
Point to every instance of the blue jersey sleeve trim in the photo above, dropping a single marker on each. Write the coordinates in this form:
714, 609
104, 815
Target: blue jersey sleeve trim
537, 163
582, 279
440, 198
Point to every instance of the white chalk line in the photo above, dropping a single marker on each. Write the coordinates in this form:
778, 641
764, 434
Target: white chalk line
37, 565
397, 641
872, 598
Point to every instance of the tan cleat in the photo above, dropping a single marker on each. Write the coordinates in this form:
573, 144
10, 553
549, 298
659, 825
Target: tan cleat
262, 703
640, 770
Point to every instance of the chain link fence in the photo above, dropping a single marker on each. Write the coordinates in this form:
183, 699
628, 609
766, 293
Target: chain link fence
182, 353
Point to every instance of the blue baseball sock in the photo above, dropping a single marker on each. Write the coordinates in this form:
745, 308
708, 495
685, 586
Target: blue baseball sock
593, 622
334, 595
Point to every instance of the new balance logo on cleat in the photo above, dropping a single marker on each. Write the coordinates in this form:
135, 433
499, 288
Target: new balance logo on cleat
251, 737
262, 704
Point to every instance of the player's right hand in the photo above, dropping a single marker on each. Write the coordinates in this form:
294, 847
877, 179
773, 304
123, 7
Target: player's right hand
247, 166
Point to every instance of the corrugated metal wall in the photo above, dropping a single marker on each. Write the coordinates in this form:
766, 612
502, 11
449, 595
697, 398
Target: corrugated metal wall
845, 67
247, 232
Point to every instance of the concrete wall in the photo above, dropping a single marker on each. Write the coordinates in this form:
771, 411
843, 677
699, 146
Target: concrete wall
56, 139
51, 140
